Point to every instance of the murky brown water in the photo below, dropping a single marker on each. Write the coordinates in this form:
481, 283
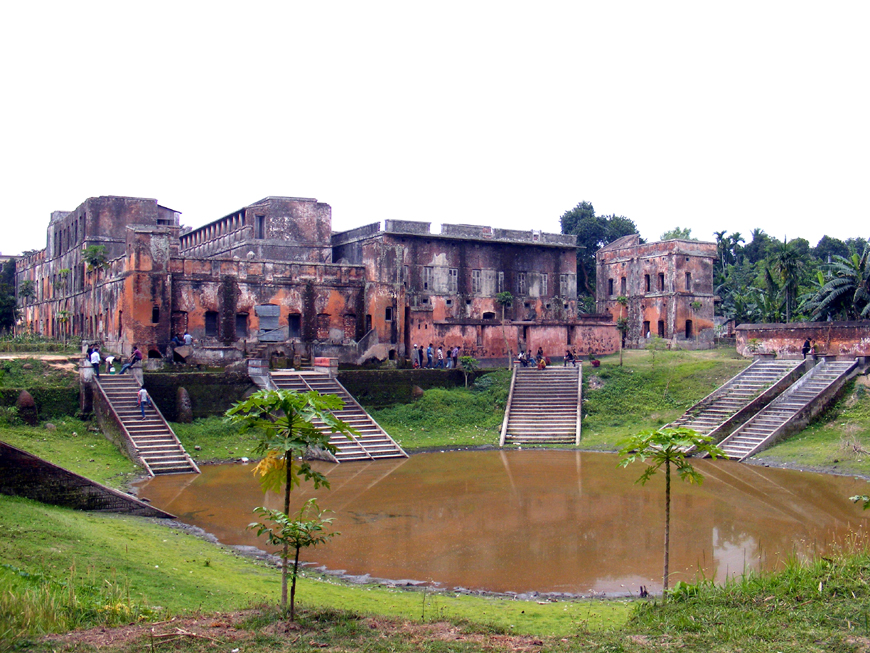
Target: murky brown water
548, 521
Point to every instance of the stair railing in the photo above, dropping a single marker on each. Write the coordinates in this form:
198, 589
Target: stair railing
174, 437
579, 403
129, 444
356, 403
507, 408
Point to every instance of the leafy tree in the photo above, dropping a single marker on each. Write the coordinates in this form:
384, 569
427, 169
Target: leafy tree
8, 303
847, 293
469, 366
285, 423
26, 290
829, 247
665, 447
94, 256
790, 265
593, 232
856, 245
756, 250
622, 323
298, 534
678, 232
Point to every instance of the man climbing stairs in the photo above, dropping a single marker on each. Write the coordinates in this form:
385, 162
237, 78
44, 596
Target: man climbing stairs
790, 411
154, 441
370, 443
740, 397
543, 406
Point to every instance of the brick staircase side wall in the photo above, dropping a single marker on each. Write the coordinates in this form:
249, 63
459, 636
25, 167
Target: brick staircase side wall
25, 475
111, 427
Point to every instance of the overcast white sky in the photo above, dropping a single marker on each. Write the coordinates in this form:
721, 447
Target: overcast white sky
727, 115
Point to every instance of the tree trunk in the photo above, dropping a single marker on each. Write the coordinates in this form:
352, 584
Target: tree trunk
285, 554
667, 528
293, 586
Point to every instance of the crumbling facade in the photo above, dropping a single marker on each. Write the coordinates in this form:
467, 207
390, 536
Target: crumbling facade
272, 277
667, 288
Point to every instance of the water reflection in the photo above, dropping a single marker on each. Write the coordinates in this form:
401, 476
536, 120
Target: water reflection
550, 521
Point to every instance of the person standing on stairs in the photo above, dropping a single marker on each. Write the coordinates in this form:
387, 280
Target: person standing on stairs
142, 400
95, 362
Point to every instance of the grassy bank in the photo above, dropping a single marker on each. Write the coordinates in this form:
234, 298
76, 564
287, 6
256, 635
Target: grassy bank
107, 569
62, 569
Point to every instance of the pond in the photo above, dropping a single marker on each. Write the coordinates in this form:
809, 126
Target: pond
544, 521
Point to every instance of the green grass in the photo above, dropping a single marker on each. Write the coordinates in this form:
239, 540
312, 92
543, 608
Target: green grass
216, 439
648, 391
29, 372
450, 418
74, 446
166, 572
839, 439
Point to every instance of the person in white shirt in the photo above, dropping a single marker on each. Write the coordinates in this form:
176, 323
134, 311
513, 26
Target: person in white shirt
142, 400
95, 361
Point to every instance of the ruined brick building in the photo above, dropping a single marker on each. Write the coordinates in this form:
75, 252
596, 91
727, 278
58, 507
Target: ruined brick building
273, 277
668, 286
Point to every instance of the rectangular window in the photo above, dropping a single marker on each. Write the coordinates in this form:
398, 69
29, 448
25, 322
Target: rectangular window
453, 280
610, 286
427, 278
155, 314
475, 281
646, 283
661, 282
323, 326
563, 286
211, 324
521, 283
260, 226
500, 282
388, 314
406, 275
622, 286
545, 283
294, 325
241, 325
688, 282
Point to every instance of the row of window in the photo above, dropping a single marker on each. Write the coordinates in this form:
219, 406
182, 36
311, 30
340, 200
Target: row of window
480, 277
647, 284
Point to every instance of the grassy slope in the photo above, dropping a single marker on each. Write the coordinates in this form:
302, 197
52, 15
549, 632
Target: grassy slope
167, 571
838, 440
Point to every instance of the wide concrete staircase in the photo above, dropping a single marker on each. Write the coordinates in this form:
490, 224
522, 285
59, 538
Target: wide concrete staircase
543, 406
153, 440
371, 441
789, 412
739, 398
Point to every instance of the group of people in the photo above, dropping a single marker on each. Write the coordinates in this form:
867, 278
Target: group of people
541, 361
179, 341
809, 347
143, 400
440, 358
96, 360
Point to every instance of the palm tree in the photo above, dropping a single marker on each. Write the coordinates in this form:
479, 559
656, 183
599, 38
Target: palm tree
789, 266
847, 292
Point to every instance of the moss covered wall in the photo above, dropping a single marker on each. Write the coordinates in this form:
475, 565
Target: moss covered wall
211, 393
50, 402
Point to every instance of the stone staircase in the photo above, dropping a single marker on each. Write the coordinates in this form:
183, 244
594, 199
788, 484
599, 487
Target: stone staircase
789, 412
543, 406
153, 441
371, 441
742, 396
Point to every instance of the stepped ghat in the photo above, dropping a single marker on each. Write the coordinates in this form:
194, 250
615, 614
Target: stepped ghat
149, 441
371, 441
543, 406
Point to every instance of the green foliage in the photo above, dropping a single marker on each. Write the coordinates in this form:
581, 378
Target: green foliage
593, 232
216, 438
504, 298
846, 292
286, 423
470, 365
94, 256
307, 530
678, 233
663, 448
8, 303
445, 418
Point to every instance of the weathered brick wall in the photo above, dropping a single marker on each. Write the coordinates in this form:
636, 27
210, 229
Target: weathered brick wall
25, 475
210, 393
786, 340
